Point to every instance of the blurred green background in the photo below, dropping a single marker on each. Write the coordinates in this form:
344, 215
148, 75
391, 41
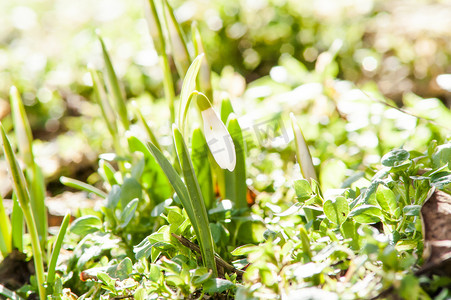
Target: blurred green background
45, 46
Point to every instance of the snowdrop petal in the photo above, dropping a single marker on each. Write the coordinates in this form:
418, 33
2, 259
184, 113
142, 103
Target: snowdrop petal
218, 138
302, 152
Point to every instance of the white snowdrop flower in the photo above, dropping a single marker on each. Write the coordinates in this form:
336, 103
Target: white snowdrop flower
218, 138
302, 152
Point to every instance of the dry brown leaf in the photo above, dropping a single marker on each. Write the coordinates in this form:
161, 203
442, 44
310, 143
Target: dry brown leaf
436, 215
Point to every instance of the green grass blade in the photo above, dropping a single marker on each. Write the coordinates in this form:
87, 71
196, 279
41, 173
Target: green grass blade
22, 127
227, 177
188, 86
159, 42
101, 98
205, 238
240, 187
17, 228
176, 182
114, 88
21, 191
199, 154
5, 231
204, 73
79, 185
36, 182
155, 29
107, 171
17, 176
226, 110
229, 185
302, 152
56, 250
149, 130
35, 179
176, 38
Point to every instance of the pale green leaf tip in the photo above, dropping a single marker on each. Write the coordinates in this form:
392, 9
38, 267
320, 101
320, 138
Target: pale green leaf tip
232, 117
200, 56
3, 132
13, 90
203, 102
174, 127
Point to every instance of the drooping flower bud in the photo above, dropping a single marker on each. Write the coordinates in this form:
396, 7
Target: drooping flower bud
218, 138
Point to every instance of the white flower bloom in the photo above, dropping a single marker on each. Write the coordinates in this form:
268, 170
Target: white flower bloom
302, 152
218, 138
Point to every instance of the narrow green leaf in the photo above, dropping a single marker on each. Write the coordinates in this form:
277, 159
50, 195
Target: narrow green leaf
226, 109
149, 131
18, 178
21, 190
33, 174
176, 38
17, 225
305, 242
79, 185
302, 152
56, 250
114, 88
5, 231
103, 102
336, 210
155, 28
197, 202
36, 184
239, 173
176, 182
199, 155
107, 170
22, 127
154, 179
188, 86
